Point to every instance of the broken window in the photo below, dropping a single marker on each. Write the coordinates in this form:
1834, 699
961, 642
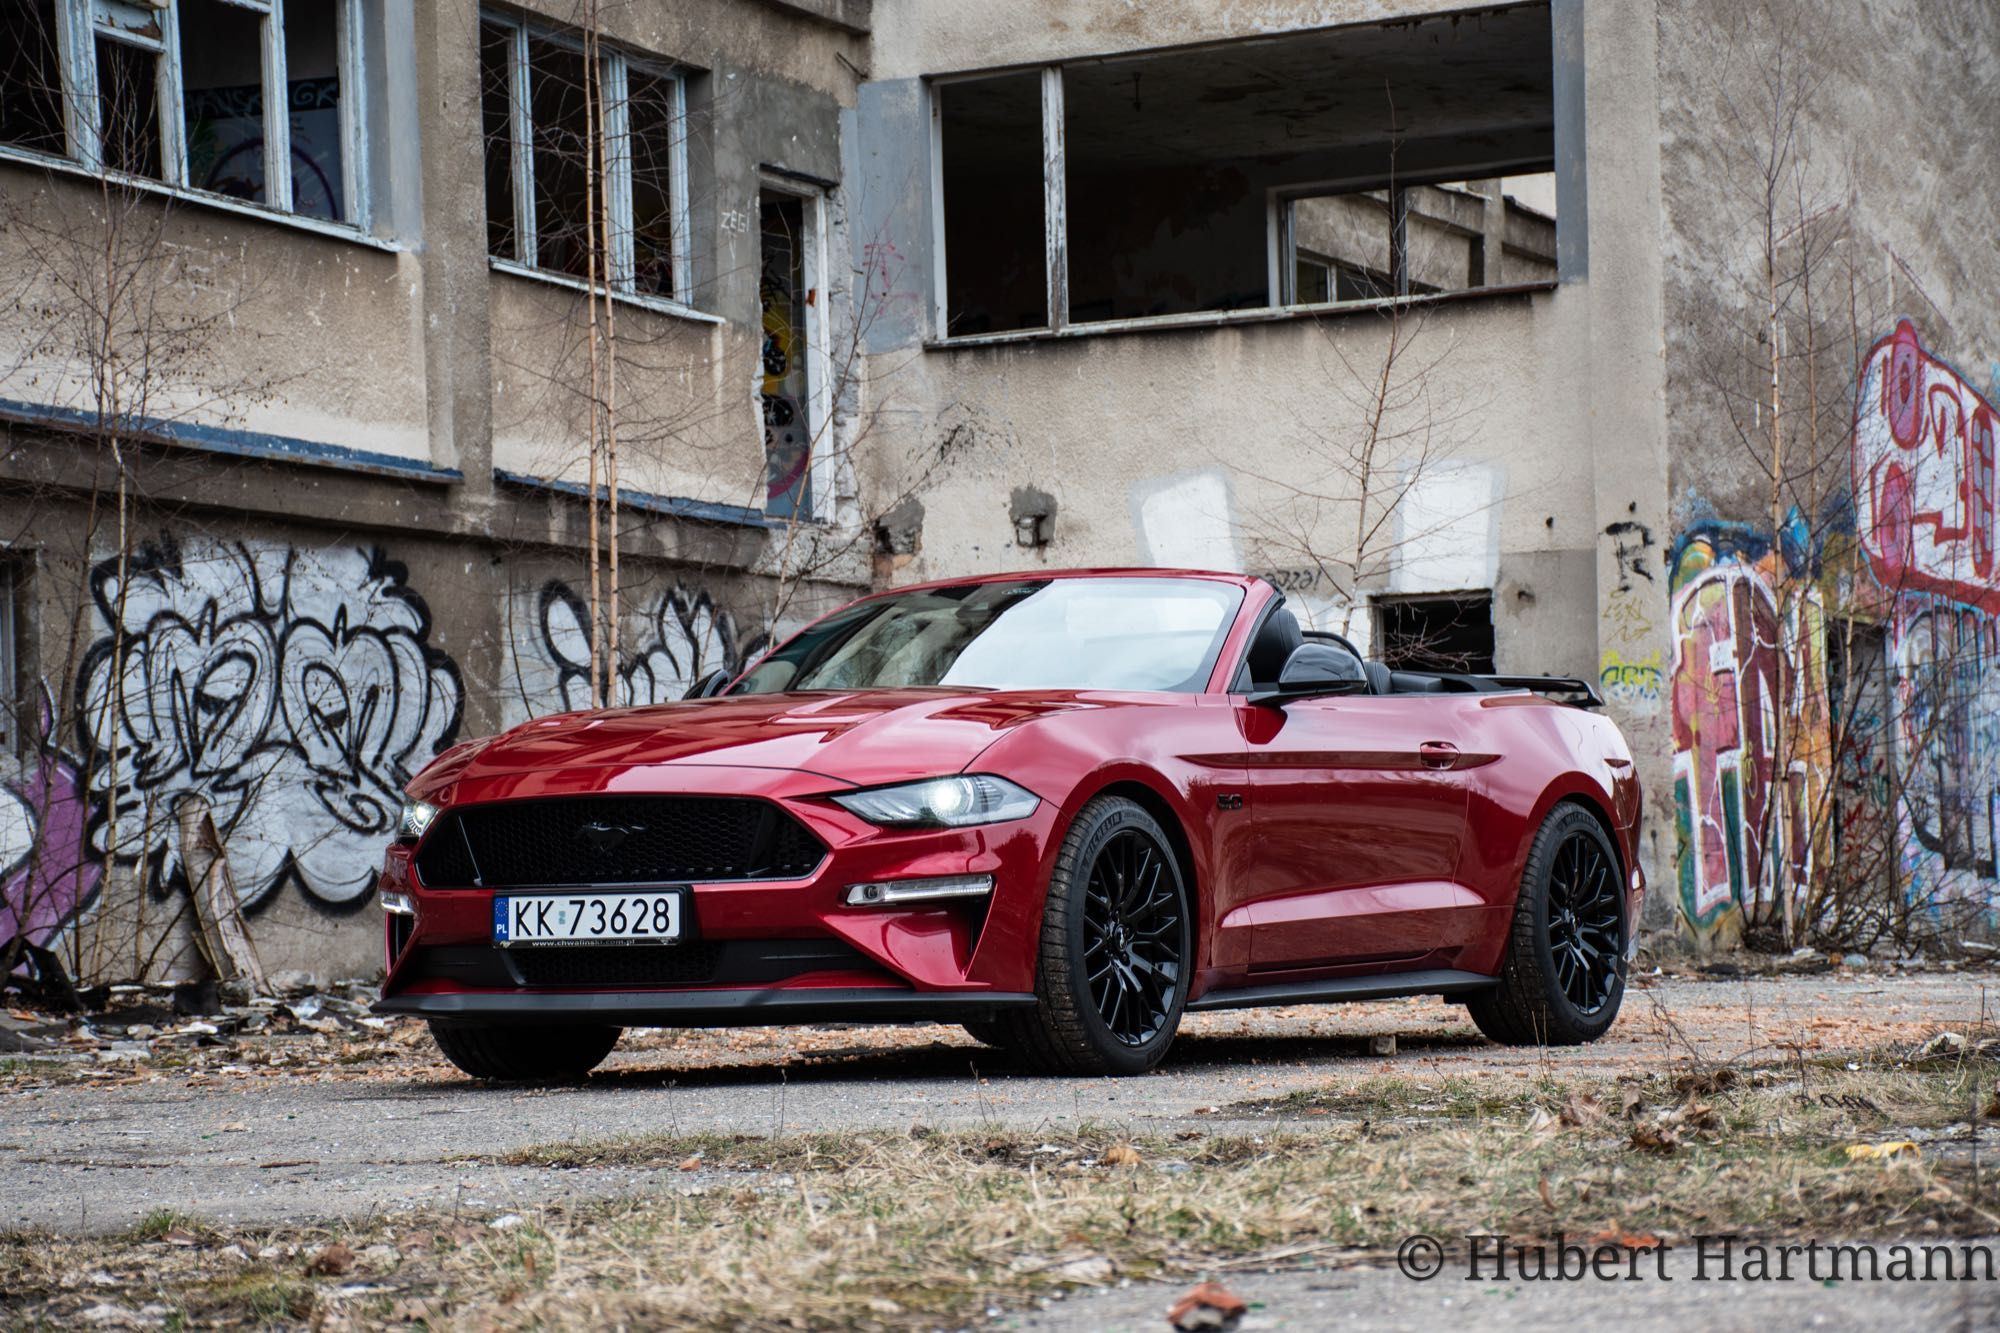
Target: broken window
585, 161
31, 89
1442, 633
240, 98
1343, 164
990, 133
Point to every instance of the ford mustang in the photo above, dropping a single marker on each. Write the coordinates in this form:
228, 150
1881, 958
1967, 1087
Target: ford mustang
1061, 809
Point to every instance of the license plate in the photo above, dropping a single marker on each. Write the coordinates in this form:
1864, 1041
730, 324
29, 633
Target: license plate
589, 918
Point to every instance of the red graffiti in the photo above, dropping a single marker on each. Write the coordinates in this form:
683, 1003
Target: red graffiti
1923, 474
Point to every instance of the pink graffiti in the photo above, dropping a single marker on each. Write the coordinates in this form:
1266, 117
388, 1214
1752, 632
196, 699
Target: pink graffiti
51, 873
1923, 474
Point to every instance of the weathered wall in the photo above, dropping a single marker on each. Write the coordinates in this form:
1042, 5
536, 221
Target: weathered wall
291, 679
1537, 418
1837, 754
285, 643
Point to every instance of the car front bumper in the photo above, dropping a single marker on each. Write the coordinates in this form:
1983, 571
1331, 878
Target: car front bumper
755, 951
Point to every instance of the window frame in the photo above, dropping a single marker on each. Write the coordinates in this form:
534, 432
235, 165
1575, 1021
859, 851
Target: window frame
615, 66
1279, 247
79, 24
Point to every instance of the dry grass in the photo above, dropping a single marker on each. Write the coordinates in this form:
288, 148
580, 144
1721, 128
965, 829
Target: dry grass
893, 1230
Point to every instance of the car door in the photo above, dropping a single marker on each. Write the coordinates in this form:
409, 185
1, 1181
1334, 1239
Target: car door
1359, 807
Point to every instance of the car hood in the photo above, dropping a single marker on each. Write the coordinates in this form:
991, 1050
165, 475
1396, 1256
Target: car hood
858, 737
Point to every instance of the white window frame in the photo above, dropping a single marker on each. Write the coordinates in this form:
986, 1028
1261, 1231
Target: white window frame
153, 26
614, 69
815, 273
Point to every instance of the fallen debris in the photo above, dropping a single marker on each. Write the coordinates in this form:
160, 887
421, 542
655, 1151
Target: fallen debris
1207, 1306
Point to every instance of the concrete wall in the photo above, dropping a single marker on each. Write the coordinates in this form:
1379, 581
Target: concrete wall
1819, 632
1530, 424
322, 583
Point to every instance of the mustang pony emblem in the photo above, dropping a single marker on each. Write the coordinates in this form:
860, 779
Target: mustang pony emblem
606, 837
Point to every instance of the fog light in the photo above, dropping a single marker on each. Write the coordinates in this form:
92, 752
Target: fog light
918, 890
398, 904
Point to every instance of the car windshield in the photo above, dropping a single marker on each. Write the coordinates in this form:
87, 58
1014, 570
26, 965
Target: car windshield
1024, 634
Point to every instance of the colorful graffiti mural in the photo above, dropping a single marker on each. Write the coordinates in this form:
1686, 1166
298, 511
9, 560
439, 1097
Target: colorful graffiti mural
295, 692
1915, 787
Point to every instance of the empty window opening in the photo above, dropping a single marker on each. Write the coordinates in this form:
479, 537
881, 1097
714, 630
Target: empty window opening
785, 388
31, 89
1335, 165
585, 164
990, 135
1412, 240
239, 98
1443, 633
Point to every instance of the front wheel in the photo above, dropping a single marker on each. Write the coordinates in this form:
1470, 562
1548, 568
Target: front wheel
1116, 952
525, 1052
1563, 975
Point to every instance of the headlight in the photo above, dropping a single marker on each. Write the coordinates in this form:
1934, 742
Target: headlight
954, 802
417, 816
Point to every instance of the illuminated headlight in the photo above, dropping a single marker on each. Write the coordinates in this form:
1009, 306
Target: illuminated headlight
417, 816
398, 904
918, 890
954, 802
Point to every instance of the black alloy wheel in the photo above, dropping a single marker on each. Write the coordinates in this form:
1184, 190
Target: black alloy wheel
1562, 976
1117, 949
1584, 922
1132, 928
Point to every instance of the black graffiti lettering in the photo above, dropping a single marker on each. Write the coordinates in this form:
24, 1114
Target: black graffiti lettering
686, 637
296, 692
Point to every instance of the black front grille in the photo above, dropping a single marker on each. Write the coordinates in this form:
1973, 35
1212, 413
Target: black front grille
616, 840
695, 963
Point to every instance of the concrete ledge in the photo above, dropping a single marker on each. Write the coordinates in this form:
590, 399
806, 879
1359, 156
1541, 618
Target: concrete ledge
673, 506
855, 16
235, 443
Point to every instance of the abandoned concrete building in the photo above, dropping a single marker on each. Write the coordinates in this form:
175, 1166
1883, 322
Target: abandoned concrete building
374, 374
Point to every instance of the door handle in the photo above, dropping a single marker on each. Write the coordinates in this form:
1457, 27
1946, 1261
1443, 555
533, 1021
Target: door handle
1438, 754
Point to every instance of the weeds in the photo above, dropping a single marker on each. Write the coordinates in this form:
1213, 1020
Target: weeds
910, 1229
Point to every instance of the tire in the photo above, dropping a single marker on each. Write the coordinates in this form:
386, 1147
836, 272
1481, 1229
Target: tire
524, 1052
1563, 975
1117, 894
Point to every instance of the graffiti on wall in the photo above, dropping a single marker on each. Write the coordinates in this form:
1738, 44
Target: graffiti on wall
671, 642
1915, 786
293, 691
1751, 721
47, 874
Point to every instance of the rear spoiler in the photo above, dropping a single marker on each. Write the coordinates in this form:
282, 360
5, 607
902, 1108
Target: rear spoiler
1563, 689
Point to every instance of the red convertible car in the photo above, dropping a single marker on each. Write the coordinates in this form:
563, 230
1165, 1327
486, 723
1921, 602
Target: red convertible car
1061, 809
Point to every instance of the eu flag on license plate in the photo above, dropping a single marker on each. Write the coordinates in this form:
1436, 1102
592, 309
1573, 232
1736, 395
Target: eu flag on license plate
500, 919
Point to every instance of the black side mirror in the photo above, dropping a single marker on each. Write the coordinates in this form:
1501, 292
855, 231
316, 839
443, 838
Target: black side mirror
709, 685
1312, 671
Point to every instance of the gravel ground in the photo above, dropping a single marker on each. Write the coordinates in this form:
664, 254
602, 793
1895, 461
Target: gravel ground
267, 1129
1382, 1299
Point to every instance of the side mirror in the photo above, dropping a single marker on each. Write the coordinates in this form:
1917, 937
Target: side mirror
708, 685
1315, 664
1315, 670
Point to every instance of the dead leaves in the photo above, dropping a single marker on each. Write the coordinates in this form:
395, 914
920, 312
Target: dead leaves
1121, 1154
332, 1260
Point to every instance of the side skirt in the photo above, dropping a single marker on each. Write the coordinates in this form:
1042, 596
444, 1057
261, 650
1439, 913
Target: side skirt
1336, 990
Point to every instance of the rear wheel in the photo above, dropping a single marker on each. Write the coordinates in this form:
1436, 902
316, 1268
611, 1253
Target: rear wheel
1563, 976
525, 1052
1116, 951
